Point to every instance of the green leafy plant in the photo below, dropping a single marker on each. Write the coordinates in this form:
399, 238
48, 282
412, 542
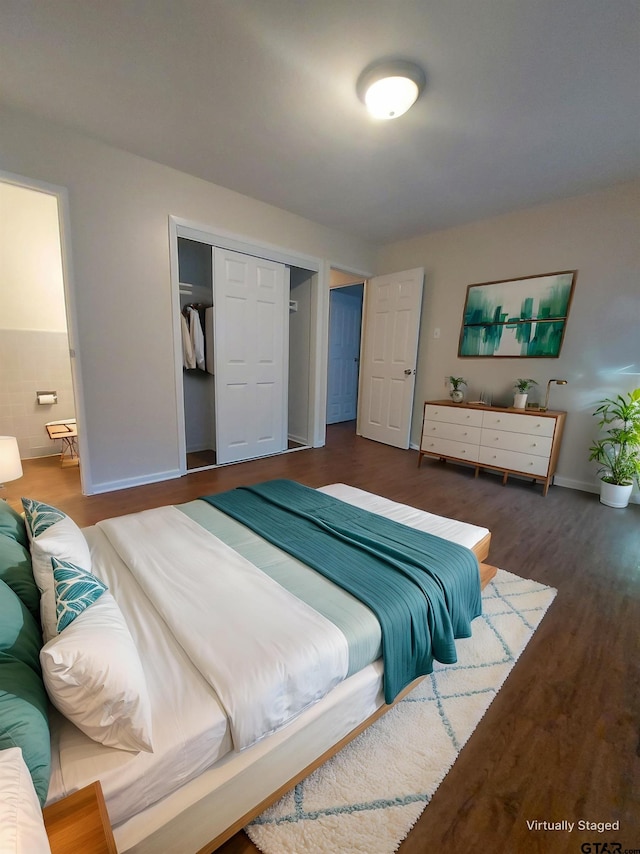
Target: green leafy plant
456, 382
523, 386
618, 451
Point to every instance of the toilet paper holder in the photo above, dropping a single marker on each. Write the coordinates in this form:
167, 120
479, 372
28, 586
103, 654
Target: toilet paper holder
46, 398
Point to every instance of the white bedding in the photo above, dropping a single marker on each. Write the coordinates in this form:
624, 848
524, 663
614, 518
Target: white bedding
190, 729
192, 737
267, 654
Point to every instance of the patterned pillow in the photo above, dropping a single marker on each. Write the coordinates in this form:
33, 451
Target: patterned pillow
52, 534
75, 590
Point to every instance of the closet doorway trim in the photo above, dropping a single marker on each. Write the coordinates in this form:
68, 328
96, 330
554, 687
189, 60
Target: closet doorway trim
191, 230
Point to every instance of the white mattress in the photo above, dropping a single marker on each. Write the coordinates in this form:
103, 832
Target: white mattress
190, 729
449, 529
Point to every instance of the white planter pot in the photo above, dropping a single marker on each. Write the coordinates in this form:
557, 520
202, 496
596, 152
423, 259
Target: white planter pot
519, 401
457, 395
614, 495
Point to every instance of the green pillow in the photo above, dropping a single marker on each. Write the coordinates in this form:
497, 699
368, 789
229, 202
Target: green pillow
12, 524
15, 570
23, 719
20, 635
23, 698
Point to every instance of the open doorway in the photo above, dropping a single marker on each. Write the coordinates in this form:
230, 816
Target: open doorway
345, 324
346, 298
38, 389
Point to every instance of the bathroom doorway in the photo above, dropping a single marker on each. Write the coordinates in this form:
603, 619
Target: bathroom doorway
39, 387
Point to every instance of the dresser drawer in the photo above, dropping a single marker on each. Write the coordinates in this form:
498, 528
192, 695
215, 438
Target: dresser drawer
449, 448
539, 446
514, 461
453, 415
459, 432
534, 425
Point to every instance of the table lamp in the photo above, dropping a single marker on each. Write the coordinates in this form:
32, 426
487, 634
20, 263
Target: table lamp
10, 465
546, 400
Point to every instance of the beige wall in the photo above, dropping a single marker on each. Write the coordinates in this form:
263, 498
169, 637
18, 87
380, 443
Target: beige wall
119, 238
119, 209
597, 235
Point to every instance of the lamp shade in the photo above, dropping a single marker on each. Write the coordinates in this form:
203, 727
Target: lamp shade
10, 465
390, 88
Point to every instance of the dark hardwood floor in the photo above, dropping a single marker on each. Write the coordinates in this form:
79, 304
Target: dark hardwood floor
561, 740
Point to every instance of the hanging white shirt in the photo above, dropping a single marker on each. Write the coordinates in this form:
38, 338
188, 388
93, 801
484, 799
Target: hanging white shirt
197, 338
188, 357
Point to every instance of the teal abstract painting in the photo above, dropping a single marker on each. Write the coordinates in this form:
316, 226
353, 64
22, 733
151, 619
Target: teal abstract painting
523, 317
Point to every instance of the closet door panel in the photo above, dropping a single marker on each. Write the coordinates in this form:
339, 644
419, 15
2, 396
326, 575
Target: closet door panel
250, 356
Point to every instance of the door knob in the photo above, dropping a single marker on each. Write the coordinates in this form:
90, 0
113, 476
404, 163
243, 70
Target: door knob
408, 372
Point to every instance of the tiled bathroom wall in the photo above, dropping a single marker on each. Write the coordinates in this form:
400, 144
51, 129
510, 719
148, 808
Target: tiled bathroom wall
32, 361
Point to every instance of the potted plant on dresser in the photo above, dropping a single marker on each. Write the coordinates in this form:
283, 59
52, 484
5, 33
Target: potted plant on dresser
456, 394
520, 397
618, 451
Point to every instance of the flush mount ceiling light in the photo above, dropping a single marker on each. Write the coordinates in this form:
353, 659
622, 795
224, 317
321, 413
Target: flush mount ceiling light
390, 87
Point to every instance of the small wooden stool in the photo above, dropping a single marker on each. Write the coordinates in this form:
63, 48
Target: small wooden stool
67, 432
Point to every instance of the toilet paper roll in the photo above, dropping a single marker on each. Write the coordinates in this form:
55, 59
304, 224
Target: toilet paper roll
47, 399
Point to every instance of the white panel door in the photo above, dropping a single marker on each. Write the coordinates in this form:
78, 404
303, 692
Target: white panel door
345, 320
389, 354
251, 356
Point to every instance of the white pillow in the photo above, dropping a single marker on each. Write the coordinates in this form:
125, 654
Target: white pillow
21, 824
52, 534
94, 676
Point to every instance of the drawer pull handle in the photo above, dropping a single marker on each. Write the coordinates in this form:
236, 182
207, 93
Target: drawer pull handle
534, 444
498, 420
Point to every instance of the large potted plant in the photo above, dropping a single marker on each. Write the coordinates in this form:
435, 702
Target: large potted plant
618, 451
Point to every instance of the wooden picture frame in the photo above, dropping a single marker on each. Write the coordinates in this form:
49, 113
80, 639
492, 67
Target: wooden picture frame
517, 318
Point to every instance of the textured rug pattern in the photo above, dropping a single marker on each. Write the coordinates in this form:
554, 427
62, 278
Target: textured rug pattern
368, 797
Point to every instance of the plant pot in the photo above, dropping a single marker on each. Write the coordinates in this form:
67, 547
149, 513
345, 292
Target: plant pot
457, 396
614, 494
519, 401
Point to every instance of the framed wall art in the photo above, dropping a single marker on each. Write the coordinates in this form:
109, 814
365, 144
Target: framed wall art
521, 318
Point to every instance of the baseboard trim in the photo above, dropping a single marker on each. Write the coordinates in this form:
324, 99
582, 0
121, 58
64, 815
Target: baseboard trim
587, 486
127, 483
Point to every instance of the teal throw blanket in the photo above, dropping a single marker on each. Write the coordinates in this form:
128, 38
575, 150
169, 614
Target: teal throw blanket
424, 590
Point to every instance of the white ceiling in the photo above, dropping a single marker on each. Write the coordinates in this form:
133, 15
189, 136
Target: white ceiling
526, 100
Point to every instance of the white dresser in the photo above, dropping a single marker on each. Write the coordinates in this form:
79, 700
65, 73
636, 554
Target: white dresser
513, 441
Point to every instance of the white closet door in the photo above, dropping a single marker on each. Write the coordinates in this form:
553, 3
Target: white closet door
251, 356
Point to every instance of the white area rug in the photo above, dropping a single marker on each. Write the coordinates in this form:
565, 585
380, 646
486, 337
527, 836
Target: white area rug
368, 797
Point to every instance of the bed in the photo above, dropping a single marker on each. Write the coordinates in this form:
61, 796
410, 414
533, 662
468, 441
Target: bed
220, 754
